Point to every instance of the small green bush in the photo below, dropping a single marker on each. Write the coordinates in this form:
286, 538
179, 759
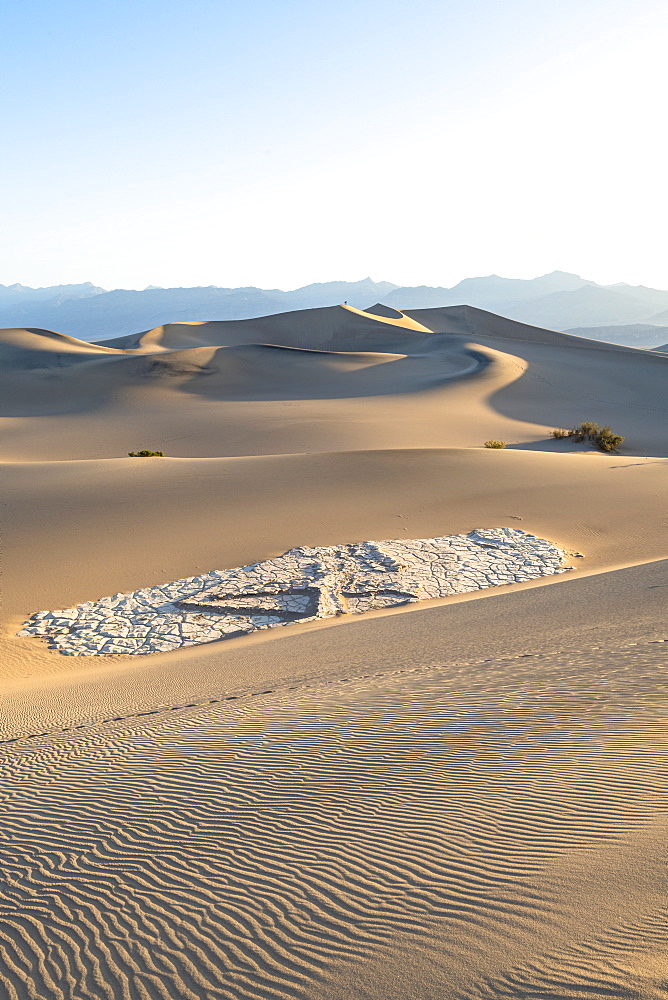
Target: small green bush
495, 444
146, 454
602, 437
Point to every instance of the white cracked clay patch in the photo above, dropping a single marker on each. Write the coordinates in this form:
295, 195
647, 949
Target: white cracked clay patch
303, 585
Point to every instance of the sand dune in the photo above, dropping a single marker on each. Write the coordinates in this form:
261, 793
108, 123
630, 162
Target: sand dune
331, 380
460, 800
30, 349
335, 326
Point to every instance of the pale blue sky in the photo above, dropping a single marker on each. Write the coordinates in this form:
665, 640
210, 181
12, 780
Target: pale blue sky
276, 144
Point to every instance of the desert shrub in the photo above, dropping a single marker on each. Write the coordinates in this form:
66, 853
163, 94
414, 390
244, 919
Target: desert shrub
146, 454
603, 437
607, 441
495, 444
586, 431
558, 433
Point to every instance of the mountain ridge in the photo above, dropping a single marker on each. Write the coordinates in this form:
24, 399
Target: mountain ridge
559, 300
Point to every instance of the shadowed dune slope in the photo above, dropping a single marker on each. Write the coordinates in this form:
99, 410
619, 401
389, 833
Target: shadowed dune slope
469, 320
378, 309
568, 379
273, 371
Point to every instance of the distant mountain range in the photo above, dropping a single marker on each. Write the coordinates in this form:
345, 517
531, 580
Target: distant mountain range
625, 314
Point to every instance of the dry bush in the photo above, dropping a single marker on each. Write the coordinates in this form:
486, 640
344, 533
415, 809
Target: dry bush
603, 437
586, 431
146, 454
495, 444
607, 440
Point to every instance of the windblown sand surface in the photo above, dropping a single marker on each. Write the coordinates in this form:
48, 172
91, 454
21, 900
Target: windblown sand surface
464, 798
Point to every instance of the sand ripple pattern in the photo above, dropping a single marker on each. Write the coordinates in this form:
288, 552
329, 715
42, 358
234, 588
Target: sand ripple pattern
302, 585
505, 821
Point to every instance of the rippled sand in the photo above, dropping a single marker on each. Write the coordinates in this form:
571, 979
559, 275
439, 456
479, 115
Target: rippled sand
504, 820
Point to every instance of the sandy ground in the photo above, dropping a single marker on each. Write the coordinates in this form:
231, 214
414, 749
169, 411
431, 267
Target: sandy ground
464, 799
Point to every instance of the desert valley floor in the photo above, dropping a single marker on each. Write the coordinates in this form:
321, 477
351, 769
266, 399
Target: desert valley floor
459, 798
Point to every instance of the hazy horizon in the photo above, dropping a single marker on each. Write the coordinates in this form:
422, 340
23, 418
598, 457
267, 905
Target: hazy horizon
328, 281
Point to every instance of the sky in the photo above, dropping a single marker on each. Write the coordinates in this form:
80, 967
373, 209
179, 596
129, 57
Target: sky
247, 142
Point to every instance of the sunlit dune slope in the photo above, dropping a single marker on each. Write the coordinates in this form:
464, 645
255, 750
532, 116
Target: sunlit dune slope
29, 349
331, 328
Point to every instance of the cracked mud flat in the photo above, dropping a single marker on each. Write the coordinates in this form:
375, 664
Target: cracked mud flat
304, 584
